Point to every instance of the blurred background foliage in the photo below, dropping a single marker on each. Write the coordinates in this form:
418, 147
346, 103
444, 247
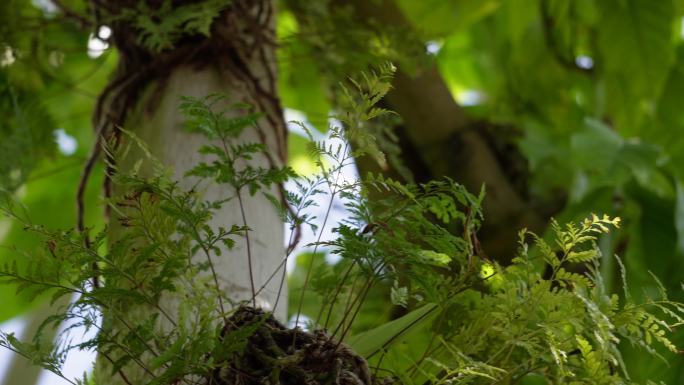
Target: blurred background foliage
578, 102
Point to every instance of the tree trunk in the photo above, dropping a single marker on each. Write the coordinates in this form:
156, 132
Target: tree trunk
439, 139
242, 66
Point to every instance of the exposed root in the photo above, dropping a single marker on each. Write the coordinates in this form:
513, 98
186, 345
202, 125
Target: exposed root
276, 355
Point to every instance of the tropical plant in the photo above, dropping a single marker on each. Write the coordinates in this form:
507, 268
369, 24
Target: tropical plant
558, 108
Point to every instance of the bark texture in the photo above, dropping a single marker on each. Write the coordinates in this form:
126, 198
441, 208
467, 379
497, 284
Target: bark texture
237, 60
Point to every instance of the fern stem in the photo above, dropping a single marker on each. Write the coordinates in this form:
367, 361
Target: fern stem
333, 193
249, 247
338, 289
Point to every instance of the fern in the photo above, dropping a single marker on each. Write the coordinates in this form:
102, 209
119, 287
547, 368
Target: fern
466, 320
161, 27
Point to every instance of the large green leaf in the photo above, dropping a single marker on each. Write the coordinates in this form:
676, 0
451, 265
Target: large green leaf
635, 41
519, 16
438, 18
374, 340
595, 146
635, 38
665, 127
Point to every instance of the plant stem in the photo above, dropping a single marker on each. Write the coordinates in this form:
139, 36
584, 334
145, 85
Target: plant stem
249, 247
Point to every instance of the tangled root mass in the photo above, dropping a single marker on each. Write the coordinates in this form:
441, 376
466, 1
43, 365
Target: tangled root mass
276, 355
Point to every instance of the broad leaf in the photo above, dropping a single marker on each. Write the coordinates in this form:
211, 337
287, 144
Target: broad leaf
372, 341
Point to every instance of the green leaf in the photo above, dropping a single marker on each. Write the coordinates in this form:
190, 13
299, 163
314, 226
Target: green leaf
636, 39
533, 379
372, 341
438, 18
643, 161
595, 146
434, 258
167, 355
636, 48
582, 256
520, 15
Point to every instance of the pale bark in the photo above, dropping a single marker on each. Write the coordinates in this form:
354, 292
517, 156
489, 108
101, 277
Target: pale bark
167, 140
157, 120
